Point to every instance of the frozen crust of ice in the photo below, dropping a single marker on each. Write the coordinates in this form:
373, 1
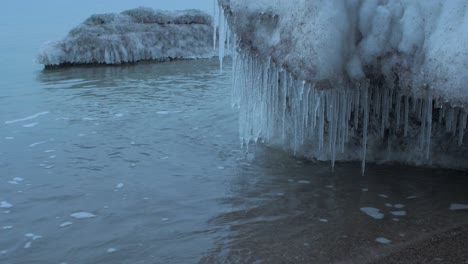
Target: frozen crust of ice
140, 34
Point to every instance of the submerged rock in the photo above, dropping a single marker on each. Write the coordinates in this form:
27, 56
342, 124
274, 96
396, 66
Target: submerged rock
140, 34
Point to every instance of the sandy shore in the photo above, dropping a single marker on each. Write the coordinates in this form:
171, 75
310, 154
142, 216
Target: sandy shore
449, 247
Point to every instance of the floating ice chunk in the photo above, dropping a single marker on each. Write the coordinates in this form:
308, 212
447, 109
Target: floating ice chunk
9, 138
220, 167
7, 227
303, 182
364, 189
27, 245
36, 144
49, 151
164, 219
5, 204
31, 124
3, 252
119, 115
18, 179
388, 205
13, 182
399, 206
119, 186
162, 112
383, 240
111, 250
398, 213
411, 197
372, 212
456, 206
329, 186
26, 118
323, 220
82, 215
52, 157
383, 196
65, 224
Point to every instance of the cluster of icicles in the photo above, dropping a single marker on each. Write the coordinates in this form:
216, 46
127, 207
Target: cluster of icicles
278, 109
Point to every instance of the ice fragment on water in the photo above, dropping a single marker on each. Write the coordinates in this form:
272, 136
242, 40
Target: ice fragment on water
372, 212
456, 206
82, 215
383, 240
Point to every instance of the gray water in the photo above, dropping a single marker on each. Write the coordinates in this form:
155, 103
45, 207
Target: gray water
152, 152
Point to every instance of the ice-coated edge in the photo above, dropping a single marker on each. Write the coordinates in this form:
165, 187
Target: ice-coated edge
379, 99
140, 34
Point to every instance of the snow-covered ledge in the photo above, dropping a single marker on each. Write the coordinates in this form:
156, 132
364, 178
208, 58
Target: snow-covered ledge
376, 80
140, 34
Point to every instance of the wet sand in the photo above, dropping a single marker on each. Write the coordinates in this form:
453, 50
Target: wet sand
447, 247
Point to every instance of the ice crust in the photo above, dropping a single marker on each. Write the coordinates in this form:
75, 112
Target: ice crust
374, 80
134, 35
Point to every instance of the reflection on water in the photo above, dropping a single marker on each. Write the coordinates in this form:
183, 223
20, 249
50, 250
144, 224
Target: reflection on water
152, 151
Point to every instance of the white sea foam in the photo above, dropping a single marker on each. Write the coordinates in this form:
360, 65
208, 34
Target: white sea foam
26, 118
398, 213
36, 144
65, 224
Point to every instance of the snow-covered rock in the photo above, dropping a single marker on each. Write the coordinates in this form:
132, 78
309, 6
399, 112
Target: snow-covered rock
382, 80
139, 34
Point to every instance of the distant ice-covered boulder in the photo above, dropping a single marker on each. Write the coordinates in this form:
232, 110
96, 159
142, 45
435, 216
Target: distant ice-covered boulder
140, 34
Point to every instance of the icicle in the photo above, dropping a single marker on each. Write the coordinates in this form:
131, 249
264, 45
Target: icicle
214, 23
462, 127
222, 37
428, 127
405, 133
365, 126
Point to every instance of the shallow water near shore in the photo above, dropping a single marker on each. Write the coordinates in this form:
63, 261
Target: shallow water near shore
142, 164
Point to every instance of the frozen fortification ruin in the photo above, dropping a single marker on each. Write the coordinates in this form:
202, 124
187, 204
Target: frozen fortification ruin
375, 80
140, 34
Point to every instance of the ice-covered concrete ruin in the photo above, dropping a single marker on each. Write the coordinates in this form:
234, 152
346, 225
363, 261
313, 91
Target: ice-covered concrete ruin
370, 80
140, 34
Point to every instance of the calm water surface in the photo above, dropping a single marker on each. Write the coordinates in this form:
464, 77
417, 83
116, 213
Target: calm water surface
151, 154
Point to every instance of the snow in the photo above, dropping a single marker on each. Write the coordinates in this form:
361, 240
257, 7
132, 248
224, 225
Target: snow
372, 212
367, 80
133, 35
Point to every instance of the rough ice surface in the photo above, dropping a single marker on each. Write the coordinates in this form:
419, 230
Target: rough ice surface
140, 34
372, 212
335, 80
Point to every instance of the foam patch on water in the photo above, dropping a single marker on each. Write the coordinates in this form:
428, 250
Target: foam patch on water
323, 220
26, 118
18, 179
372, 212
111, 250
383, 196
49, 151
220, 168
9, 138
12, 182
456, 206
3, 252
303, 182
5, 204
399, 206
119, 186
364, 189
383, 240
82, 215
31, 125
411, 197
119, 115
7, 227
